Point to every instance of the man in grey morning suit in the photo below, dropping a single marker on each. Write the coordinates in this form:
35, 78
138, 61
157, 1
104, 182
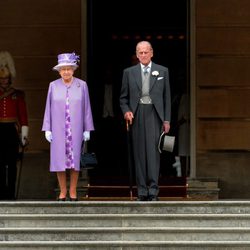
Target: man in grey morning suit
146, 105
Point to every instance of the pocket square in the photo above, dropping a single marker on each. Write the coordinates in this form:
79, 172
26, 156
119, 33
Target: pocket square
159, 78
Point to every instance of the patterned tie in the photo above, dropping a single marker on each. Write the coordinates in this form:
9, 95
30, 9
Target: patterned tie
68, 135
145, 70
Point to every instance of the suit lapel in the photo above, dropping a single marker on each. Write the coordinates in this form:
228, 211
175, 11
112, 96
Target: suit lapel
152, 78
137, 74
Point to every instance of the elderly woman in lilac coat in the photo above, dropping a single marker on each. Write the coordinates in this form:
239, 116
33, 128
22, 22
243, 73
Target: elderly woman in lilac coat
67, 122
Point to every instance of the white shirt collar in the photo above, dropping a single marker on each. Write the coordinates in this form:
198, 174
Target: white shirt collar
149, 66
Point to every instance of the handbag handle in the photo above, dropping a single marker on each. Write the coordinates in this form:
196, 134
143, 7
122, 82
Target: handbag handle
84, 147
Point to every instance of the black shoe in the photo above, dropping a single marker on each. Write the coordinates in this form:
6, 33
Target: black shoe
61, 199
153, 198
142, 198
73, 199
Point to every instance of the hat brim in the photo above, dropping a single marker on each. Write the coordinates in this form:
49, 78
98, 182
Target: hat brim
60, 65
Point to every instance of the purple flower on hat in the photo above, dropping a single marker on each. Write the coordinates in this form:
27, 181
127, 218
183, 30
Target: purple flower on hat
74, 57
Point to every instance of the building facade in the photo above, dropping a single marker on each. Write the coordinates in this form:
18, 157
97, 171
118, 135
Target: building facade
218, 59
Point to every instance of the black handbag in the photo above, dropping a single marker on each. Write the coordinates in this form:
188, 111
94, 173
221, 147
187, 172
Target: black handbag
88, 160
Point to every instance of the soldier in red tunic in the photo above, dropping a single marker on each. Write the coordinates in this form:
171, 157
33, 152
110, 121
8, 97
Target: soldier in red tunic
13, 127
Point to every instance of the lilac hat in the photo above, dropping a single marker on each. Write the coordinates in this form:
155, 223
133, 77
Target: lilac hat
67, 59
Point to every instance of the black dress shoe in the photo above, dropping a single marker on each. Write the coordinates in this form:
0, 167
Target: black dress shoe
73, 199
142, 198
153, 198
61, 199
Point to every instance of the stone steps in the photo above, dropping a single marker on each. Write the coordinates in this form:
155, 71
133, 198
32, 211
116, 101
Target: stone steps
126, 245
125, 233
125, 207
107, 225
124, 220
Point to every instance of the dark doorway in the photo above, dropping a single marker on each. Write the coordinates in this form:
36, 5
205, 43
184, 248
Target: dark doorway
114, 28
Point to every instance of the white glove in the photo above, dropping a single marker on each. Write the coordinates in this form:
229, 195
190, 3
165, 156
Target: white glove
48, 136
86, 135
177, 165
24, 135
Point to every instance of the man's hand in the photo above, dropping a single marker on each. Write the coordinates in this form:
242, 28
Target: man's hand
128, 116
166, 127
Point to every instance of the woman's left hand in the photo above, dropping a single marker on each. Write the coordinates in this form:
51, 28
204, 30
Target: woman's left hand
86, 135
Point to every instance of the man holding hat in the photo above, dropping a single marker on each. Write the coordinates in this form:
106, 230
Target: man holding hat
13, 126
146, 105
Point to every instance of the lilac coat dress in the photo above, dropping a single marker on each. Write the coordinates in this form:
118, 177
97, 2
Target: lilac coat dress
54, 120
